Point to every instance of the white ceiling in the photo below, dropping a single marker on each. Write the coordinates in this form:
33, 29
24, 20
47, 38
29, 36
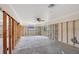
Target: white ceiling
64, 12
28, 13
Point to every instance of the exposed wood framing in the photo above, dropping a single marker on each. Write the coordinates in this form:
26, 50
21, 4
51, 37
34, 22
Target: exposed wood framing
10, 35
67, 31
62, 32
4, 32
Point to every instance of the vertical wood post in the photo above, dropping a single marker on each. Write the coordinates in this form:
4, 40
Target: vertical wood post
67, 31
53, 32
10, 35
15, 33
73, 29
4, 32
61, 31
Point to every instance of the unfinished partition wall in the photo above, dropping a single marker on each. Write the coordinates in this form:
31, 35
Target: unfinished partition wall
43, 30
51, 32
64, 32
70, 32
76, 26
31, 30
11, 32
24, 31
67, 32
46, 30
54, 31
17, 32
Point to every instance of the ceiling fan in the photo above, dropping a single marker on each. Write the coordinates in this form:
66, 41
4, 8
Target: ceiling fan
39, 19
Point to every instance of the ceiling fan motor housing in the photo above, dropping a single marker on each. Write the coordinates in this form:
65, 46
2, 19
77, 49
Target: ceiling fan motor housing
38, 19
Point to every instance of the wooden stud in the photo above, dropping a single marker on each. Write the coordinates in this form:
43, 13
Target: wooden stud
53, 32
12, 33
73, 29
62, 32
57, 31
4, 33
15, 32
67, 31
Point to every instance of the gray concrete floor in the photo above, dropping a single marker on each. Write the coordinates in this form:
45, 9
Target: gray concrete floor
68, 49
45, 46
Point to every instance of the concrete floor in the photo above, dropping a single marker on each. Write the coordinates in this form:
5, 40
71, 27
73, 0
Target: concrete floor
42, 45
